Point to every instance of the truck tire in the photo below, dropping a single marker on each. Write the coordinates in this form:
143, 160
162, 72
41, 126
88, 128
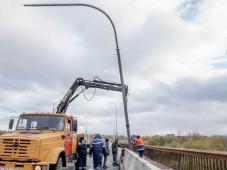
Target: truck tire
58, 165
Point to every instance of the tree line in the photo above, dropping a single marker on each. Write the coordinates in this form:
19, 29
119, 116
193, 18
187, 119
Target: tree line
191, 141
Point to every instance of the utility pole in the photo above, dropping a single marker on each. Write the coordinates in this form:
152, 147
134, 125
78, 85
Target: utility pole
115, 126
124, 95
116, 121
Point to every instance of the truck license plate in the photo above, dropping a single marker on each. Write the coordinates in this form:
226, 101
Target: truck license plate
7, 169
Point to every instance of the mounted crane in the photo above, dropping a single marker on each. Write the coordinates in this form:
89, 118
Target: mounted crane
100, 84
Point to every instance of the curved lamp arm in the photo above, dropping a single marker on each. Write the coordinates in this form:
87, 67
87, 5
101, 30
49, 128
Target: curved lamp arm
118, 55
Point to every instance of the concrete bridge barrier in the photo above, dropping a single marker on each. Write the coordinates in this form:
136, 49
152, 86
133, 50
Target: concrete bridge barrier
133, 162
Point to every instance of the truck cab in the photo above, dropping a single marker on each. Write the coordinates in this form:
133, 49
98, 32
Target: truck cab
41, 141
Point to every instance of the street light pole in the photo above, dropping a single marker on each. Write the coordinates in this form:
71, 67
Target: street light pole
116, 129
124, 96
116, 122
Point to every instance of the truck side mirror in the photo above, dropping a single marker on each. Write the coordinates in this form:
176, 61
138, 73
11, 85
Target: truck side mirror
11, 124
75, 125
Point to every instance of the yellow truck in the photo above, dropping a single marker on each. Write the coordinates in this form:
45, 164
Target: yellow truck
41, 141
46, 141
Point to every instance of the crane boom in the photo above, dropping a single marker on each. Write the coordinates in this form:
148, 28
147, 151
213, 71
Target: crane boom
100, 84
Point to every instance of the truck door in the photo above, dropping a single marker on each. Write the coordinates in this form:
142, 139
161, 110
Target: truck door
68, 137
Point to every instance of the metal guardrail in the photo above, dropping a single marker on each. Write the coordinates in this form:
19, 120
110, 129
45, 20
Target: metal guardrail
187, 159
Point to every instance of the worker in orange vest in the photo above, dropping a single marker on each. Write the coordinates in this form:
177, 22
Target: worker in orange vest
139, 143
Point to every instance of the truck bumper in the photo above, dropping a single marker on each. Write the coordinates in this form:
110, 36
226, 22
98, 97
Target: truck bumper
6, 165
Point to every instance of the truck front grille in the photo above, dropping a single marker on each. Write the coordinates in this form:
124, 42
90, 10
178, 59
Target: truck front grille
18, 149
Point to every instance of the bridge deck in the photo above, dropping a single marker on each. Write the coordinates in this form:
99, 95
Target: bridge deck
109, 163
90, 164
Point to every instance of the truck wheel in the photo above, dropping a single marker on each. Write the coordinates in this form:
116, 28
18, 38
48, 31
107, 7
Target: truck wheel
58, 165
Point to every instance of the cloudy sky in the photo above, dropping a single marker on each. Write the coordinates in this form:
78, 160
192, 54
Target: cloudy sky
173, 55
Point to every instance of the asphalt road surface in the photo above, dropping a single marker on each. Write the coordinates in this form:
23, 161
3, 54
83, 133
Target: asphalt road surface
90, 164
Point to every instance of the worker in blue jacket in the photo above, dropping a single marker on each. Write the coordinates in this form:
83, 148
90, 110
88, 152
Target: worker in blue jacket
97, 149
82, 153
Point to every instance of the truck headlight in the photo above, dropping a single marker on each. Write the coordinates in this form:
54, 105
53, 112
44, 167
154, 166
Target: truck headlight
38, 167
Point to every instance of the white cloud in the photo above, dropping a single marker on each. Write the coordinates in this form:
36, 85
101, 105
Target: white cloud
172, 64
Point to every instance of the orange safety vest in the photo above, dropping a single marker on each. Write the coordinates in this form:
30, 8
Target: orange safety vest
139, 143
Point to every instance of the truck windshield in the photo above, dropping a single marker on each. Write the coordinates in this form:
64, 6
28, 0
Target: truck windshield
40, 122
